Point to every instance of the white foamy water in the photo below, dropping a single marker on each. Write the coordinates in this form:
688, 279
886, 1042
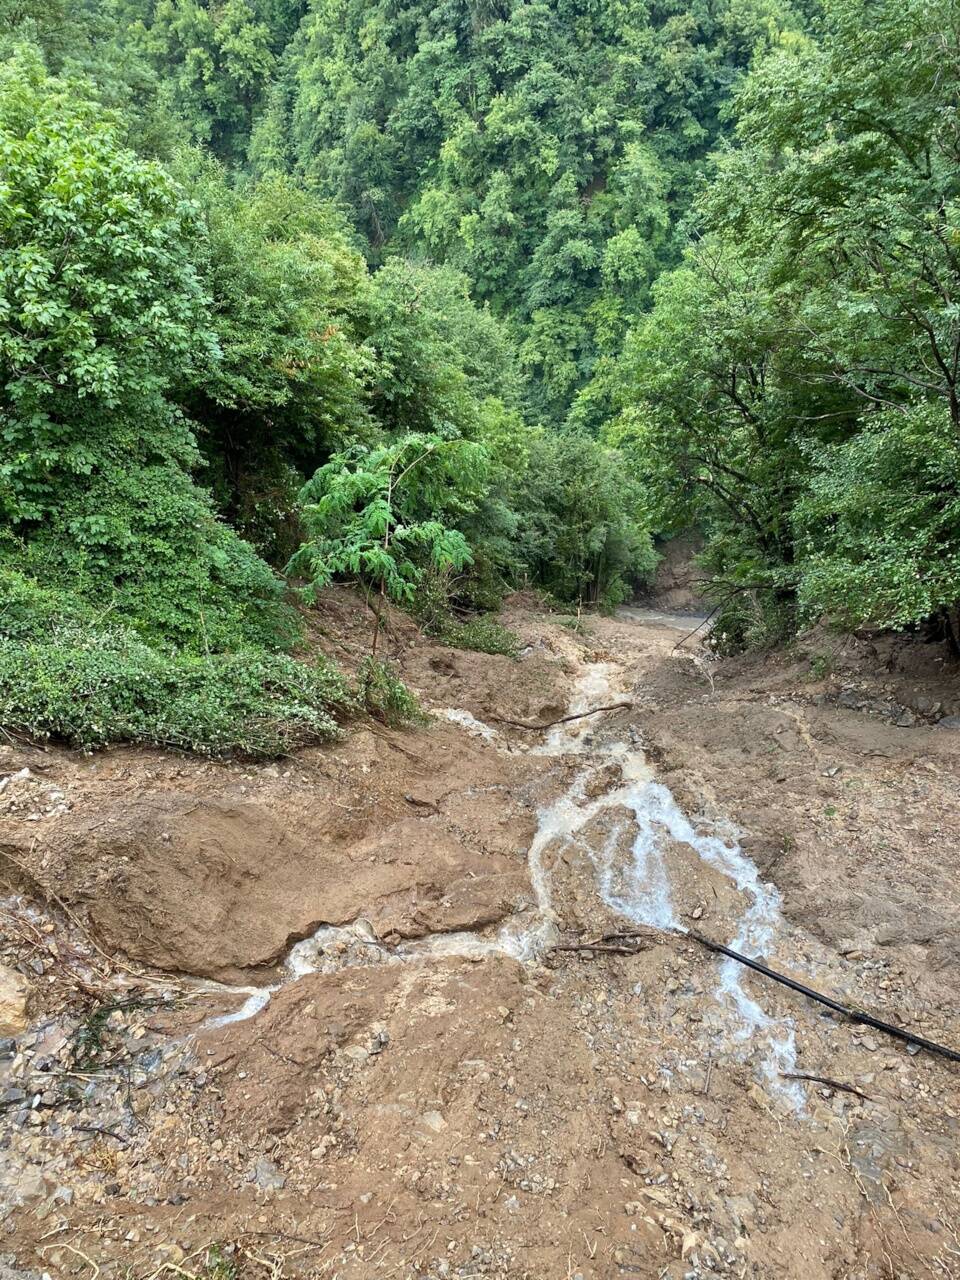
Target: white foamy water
637, 887
469, 722
591, 690
257, 998
640, 889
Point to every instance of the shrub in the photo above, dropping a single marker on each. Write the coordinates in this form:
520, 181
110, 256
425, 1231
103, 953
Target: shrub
431, 607
87, 686
484, 635
385, 696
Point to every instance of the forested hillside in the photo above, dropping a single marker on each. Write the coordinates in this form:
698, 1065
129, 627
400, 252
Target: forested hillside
451, 299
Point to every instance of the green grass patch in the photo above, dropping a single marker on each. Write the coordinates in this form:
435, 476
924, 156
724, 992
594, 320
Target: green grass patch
483, 634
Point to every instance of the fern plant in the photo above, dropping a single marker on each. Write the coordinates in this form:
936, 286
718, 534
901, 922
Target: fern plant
384, 516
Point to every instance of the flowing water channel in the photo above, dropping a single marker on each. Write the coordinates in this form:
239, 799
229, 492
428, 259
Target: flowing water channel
646, 821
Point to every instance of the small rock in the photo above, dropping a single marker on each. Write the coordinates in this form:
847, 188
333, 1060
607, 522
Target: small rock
434, 1121
267, 1176
14, 992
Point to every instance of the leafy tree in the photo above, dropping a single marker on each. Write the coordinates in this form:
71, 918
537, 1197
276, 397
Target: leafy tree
373, 514
879, 528
439, 356
581, 527
102, 308
792, 372
210, 63
541, 149
290, 306
99, 299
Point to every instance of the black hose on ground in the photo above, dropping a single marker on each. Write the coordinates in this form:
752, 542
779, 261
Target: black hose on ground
854, 1015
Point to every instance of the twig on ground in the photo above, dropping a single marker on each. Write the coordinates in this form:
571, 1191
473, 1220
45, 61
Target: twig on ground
107, 1133
604, 948
548, 724
421, 804
831, 1084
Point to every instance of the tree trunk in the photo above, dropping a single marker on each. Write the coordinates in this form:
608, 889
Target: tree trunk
378, 614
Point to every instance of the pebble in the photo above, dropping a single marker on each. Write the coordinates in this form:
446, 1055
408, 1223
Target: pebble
266, 1175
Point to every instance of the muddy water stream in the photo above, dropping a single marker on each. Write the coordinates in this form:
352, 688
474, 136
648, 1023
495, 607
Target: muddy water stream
632, 875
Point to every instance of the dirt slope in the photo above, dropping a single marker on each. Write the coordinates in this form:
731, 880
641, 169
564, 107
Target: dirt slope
438, 1093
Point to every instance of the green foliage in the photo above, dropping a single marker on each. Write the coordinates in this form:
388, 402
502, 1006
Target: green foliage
103, 308
794, 391
513, 283
291, 304
100, 303
219, 1264
209, 62
483, 634
385, 696
153, 618
879, 529
291, 307
581, 523
88, 685
541, 149
144, 545
373, 513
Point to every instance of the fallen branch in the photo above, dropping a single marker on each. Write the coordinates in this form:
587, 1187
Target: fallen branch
421, 804
831, 1084
629, 943
602, 948
579, 715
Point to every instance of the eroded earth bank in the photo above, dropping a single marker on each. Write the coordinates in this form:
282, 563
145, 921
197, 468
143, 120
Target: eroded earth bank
307, 1019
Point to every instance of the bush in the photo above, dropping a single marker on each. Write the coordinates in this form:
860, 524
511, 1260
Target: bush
484, 635
385, 696
88, 685
431, 608
878, 532
144, 542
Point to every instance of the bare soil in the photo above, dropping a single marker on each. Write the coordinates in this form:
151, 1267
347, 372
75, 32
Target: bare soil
424, 1103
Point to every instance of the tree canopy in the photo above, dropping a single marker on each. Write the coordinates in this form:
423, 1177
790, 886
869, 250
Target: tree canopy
606, 271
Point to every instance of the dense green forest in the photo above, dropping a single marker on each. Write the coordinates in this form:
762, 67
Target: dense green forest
447, 299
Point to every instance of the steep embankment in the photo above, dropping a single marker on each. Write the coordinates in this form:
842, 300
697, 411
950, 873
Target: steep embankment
410, 1081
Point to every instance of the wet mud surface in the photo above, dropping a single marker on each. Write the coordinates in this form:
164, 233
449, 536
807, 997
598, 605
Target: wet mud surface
307, 1019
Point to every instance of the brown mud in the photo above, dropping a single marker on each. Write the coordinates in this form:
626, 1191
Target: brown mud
438, 1094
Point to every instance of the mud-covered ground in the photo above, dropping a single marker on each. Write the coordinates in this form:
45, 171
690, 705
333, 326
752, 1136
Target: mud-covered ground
306, 1019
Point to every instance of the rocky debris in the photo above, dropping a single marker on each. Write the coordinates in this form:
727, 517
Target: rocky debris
431, 1116
26, 796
